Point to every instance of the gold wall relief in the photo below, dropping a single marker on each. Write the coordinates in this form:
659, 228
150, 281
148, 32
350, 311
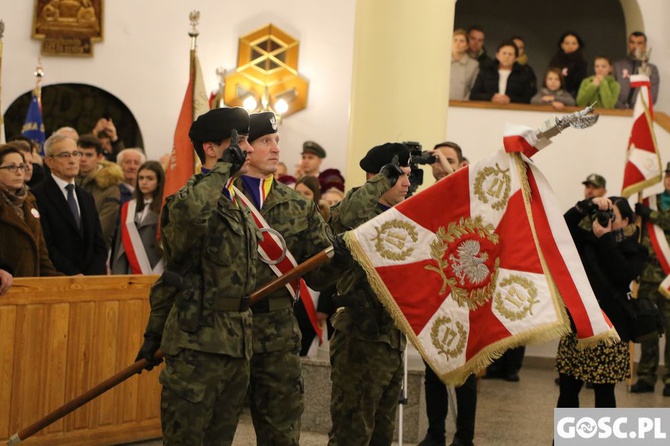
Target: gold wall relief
67, 27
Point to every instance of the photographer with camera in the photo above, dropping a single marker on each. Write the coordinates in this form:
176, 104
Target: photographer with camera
606, 239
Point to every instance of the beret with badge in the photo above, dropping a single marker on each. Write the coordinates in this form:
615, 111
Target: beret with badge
261, 124
379, 156
217, 124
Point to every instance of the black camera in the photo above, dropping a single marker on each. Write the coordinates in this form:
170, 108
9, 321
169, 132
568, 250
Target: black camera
604, 217
415, 173
423, 158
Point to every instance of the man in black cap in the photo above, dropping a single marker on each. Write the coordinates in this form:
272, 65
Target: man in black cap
594, 186
200, 313
276, 395
366, 351
658, 214
312, 157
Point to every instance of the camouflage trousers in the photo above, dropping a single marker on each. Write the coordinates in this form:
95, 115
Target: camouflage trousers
276, 388
203, 395
650, 350
367, 377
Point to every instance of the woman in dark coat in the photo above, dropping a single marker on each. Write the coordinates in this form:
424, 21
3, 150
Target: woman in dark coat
612, 259
22, 244
570, 60
519, 87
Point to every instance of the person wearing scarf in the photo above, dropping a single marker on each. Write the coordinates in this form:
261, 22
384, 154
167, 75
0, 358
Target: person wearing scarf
570, 59
22, 244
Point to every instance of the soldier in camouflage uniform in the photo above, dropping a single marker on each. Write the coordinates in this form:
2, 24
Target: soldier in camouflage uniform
366, 351
276, 386
200, 313
651, 278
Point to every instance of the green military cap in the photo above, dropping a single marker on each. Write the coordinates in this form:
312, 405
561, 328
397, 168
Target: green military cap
314, 148
595, 179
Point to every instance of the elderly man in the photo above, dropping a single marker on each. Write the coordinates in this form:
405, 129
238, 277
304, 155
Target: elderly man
130, 161
69, 219
624, 68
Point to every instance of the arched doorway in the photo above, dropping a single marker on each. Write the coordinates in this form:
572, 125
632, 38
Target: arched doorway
602, 24
75, 105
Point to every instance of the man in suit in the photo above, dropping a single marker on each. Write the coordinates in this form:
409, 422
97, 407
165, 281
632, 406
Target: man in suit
69, 219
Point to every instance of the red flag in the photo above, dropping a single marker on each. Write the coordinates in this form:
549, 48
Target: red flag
483, 272
643, 162
183, 159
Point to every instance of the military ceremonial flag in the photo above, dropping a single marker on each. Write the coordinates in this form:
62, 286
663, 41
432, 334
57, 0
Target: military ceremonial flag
486, 270
183, 159
643, 162
33, 127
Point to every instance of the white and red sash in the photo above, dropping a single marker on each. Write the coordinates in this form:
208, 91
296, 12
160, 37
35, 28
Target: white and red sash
660, 244
132, 243
270, 247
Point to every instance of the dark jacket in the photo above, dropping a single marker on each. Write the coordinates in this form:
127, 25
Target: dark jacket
576, 69
519, 84
72, 250
610, 267
22, 242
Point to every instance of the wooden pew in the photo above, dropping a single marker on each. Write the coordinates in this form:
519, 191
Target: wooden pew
61, 336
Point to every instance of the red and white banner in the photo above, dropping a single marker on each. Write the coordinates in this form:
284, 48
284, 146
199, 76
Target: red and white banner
660, 245
485, 270
643, 162
138, 260
183, 161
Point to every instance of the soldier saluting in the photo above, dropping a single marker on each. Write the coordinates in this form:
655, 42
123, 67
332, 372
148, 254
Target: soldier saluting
200, 313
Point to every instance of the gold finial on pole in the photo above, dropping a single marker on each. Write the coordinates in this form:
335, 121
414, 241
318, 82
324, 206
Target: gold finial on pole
194, 17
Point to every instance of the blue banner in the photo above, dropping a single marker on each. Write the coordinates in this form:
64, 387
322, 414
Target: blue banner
33, 128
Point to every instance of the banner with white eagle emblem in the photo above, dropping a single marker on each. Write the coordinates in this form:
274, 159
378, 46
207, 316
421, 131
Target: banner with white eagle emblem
480, 262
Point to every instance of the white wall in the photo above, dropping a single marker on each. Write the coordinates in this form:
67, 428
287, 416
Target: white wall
143, 60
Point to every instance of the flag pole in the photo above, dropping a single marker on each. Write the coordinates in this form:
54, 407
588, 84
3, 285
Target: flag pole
194, 17
138, 366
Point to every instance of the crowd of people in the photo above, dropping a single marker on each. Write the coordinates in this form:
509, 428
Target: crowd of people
509, 78
94, 208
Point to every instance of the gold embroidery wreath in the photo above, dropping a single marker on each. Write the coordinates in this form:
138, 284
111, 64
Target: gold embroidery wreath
384, 229
477, 296
501, 180
440, 346
526, 305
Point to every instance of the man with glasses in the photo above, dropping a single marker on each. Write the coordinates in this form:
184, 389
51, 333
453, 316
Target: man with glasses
69, 219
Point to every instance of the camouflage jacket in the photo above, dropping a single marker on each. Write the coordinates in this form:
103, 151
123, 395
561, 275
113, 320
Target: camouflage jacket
653, 272
364, 317
211, 243
306, 234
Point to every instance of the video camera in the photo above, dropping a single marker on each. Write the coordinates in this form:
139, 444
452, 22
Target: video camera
417, 158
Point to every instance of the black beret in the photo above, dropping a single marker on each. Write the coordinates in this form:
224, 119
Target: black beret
216, 125
261, 124
312, 147
379, 156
